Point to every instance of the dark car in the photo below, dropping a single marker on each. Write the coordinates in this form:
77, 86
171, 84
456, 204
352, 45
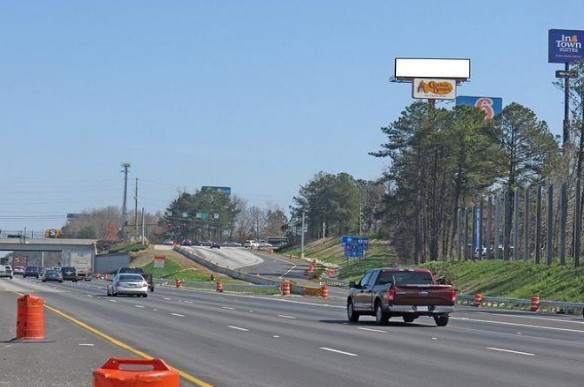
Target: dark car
215, 245
186, 242
31, 271
69, 273
53, 275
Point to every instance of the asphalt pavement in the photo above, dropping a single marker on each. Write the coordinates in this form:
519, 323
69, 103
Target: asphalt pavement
66, 357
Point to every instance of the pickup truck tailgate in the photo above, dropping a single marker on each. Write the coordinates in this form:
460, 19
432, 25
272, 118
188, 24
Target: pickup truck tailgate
423, 295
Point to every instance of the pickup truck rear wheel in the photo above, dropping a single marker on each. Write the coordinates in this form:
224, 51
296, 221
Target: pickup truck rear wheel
381, 316
441, 321
408, 319
353, 316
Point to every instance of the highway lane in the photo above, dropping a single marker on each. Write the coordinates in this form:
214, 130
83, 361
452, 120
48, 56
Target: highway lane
230, 340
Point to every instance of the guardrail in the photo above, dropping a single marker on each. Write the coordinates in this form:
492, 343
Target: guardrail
212, 286
559, 307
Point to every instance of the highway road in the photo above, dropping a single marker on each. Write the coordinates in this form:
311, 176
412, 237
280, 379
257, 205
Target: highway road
227, 339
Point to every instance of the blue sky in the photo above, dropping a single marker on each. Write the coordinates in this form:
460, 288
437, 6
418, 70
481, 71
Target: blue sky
255, 95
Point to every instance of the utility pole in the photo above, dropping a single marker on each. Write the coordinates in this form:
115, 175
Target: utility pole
136, 209
302, 236
143, 226
126, 166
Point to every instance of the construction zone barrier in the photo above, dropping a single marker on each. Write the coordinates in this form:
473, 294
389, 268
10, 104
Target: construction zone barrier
219, 287
285, 288
178, 283
324, 291
116, 373
30, 322
534, 304
477, 300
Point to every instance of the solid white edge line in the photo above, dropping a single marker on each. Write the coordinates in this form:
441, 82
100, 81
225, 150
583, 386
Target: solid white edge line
337, 351
511, 351
178, 315
238, 328
519, 325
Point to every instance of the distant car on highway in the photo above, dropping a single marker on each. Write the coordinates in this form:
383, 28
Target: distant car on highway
18, 270
130, 284
205, 243
168, 242
69, 273
250, 243
231, 244
31, 271
186, 242
6, 271
53, 275
215, 245
138, 270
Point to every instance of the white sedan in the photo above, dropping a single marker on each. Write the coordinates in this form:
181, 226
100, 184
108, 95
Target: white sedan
129, 284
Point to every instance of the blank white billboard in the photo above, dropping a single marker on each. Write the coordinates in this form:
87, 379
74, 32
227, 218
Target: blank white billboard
407, 68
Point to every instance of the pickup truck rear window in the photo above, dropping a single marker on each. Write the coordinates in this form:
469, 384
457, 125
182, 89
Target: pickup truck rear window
405, 277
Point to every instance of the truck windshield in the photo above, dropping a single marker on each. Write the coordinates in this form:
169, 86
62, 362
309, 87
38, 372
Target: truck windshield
405, 277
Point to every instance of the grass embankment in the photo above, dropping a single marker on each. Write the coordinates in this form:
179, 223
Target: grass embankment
176, 266
495, 278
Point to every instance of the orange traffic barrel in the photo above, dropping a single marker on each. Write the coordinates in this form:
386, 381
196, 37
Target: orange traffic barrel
285, 288
30, 323
324, 291
477, 300
220, 286
122, 372
534, 303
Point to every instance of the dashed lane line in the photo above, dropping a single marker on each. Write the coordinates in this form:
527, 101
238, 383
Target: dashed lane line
510, 351
340, 352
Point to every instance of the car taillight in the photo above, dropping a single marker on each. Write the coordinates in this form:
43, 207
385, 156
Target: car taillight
390, 295
453, 295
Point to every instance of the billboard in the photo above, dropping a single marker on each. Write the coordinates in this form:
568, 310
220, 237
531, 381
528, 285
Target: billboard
409, 68
434, 88
490, 105
223, 190
565, 46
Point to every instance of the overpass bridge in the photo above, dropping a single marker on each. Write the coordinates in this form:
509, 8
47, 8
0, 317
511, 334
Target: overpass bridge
74, 252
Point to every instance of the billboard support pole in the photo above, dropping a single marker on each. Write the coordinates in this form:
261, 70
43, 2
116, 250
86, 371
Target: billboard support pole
566, 133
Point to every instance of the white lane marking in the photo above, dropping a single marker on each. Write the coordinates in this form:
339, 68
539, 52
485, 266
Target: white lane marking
89, 295
188, 302
542, 318
86, 345
510, 351
372, 330
139, 306
227, 307
168, 299
238, 328
289, 317
112, 300
434, 338
522, 325
178, 315
276, 336
337, 351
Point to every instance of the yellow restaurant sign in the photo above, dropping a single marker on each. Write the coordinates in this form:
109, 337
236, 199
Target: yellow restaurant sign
434, 88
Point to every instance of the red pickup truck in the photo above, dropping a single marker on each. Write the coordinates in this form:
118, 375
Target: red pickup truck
405, 292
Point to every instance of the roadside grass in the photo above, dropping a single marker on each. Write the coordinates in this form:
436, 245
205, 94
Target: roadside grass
495, 278
514, 279
122, 247
176, 266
